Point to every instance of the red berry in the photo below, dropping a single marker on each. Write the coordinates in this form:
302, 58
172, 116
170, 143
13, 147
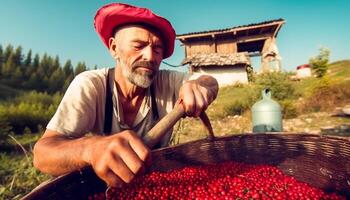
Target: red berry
229, 180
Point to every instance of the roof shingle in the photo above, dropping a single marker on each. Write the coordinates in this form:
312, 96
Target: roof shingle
217, 59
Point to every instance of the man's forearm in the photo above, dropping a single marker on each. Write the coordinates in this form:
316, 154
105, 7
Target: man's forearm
58, 154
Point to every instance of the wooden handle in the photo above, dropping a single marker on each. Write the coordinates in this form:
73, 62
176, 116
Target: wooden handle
160, 129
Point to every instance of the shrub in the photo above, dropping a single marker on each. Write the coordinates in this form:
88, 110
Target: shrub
279, 83
29, 110
243, 101
237, 107
324, 96
35, 97
4, 128
289, 109
319, 64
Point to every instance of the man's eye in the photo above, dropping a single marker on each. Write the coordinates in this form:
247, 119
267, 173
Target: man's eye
158, 50
138, 47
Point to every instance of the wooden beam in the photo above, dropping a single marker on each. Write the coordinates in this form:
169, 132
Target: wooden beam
183, 37
276, 30
253, 38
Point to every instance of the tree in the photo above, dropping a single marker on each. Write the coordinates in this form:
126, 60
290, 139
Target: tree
54, 65
56, 81
68, 74
1, 58
8, 52
18, 57
80, 68
27, 66
33, 80
8, 68
28, 61
68, 68
319, 63
36, 62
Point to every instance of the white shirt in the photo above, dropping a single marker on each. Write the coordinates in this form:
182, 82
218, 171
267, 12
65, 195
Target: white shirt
82, 108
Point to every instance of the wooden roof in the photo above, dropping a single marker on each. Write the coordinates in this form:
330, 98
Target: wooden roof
216, 59
265, 27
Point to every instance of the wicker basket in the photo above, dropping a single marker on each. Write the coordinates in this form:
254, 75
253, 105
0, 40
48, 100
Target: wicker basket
321, 161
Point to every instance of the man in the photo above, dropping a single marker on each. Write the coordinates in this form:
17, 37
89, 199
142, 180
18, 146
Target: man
119, 106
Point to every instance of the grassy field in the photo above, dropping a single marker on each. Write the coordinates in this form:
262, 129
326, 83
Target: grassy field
18, 176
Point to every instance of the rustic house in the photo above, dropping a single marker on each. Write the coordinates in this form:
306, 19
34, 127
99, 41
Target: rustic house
225, 54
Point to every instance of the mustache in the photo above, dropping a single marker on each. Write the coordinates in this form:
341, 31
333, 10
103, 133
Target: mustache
148, 64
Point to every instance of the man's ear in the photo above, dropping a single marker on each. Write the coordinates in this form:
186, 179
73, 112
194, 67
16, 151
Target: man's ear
113, 47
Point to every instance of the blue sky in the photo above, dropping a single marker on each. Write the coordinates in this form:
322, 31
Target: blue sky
65, 28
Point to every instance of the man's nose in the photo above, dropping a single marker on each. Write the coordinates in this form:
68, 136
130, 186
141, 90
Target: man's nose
148, 54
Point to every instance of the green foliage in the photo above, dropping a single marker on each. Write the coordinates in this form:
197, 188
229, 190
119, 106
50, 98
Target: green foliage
80, 68
4, 128
319, 63
250, 73
29, 110
325, 95
1, 58
279, 83
18, 176
289, 109
247, 97
7, 92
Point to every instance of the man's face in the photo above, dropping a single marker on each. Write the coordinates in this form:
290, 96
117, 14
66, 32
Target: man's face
138, 52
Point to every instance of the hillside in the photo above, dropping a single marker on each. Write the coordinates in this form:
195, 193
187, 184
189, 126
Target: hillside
331, 89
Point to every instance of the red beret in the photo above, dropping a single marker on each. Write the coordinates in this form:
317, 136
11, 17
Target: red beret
113, 15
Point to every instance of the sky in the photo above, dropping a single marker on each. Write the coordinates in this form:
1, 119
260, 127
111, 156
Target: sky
65, 27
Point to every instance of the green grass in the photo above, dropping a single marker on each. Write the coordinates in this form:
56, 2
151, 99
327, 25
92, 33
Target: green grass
337, 72
229, 97
17, 174
340, 69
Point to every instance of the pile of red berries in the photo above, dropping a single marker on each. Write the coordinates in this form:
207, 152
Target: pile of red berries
229, 180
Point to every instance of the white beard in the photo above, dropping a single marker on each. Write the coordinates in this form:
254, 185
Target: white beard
138, 78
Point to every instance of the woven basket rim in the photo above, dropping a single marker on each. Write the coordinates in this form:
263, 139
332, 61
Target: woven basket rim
278, 134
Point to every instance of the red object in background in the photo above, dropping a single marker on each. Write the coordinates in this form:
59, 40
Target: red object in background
229, 180
303, 66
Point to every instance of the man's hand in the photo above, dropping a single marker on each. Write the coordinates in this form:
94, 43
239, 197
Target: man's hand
198, 94
118, 158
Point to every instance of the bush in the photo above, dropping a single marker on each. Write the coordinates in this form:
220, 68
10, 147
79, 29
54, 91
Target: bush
27, 115
242, 102
4, 128
237, 107
325, 95
319, 64
289, 109
279, 83
34, 97
29, 110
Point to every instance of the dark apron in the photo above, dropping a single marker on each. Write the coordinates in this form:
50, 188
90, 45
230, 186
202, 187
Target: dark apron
107, 128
